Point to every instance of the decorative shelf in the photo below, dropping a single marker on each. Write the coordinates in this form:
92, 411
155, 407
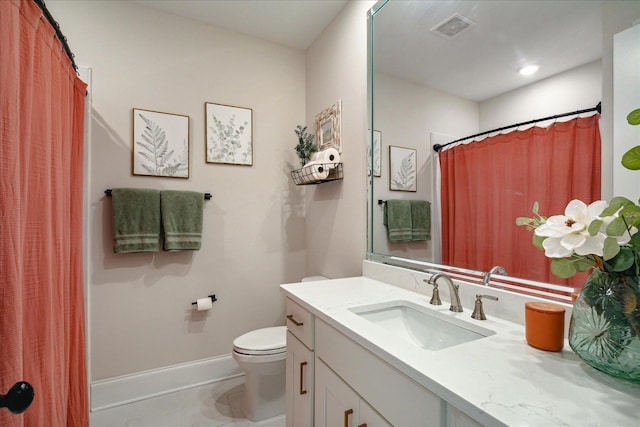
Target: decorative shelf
315, 174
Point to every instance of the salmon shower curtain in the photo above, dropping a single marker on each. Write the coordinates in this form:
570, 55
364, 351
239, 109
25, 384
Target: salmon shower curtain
486, 185
42, 335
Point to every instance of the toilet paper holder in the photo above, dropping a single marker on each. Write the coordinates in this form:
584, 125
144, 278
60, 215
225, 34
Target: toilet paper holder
213, 299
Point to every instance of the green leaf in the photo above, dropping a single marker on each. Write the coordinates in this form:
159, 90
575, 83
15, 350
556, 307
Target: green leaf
611, 248
563, 268
583, 264
522, 220
614, 206
537, 241
635, 241
594, 227
623, 261
631, 159
536, 207
617, 227
633, 118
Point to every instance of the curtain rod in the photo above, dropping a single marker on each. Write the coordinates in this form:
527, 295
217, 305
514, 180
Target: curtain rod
598, 108
59, 35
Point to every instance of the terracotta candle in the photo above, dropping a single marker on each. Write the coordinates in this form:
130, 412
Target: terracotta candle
544, 325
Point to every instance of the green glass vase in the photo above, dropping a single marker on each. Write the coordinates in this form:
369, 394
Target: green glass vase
605, 324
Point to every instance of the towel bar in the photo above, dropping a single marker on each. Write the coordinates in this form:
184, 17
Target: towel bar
207, 196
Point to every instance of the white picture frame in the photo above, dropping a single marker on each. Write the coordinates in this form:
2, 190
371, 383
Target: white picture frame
228, 134
403, 169
160, 146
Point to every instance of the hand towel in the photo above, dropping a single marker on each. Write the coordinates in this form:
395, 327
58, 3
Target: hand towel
397, 218
420, 220
182, 219
136, 220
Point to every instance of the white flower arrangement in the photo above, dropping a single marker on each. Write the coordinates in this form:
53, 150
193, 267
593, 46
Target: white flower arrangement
601, 234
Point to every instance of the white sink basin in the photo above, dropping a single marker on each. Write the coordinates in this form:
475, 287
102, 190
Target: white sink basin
428, 329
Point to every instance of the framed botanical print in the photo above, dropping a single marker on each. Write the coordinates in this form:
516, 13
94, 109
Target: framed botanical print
328, 128
160, 144
228, 134
374, 153
402, 169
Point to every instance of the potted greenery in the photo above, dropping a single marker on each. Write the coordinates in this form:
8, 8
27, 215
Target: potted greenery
305, 147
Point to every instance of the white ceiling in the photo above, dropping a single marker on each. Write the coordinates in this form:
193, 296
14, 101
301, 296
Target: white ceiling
483, 61
293, 23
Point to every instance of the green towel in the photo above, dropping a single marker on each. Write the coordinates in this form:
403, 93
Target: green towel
397, 218
136, 220
182, 219
420, 220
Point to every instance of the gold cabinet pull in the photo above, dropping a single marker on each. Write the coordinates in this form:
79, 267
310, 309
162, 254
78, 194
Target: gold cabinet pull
302, 390
295, 322
346, 417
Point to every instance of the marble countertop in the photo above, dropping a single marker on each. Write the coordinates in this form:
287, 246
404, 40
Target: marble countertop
498, 380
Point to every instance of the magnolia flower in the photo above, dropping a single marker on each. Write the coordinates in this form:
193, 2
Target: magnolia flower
569, 233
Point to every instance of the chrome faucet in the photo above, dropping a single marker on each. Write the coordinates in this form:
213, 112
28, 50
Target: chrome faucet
453, 291
494, 270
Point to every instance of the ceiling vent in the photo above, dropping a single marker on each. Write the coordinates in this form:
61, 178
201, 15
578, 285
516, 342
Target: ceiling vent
453, 26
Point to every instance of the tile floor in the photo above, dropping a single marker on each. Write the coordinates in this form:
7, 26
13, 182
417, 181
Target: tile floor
210, 405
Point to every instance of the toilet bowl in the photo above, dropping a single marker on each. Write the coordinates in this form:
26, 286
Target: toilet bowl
262, 354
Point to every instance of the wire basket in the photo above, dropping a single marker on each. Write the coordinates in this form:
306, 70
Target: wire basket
317, 173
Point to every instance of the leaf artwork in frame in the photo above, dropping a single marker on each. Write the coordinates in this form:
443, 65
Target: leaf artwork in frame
375, 146
229, 134
160, 144
402, 169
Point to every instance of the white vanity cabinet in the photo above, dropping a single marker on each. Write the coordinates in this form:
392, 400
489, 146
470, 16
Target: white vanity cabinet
399, 400
299, 366
337, 405
332, 381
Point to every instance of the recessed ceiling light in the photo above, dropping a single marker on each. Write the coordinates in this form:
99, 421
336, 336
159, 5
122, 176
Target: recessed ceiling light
528, 70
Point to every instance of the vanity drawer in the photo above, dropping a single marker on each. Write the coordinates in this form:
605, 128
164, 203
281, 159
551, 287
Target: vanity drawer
300, 323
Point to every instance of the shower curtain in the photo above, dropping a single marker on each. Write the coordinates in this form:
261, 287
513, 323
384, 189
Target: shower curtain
42, 333
486, 185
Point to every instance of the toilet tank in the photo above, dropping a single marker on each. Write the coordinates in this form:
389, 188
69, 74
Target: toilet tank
313, 278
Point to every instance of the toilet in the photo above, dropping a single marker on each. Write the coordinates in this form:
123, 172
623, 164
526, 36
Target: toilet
262, 355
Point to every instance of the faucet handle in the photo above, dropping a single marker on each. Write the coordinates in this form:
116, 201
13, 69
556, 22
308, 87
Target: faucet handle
435, 298
478, 311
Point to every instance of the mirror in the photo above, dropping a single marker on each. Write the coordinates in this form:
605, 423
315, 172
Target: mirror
430, 87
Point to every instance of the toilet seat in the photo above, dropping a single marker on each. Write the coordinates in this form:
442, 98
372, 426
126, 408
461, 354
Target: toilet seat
262, 342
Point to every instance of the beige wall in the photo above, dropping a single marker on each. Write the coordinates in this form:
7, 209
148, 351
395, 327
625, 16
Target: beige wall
254, 228
336, 211
406, 114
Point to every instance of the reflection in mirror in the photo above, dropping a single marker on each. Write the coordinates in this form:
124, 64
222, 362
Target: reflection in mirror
430, 85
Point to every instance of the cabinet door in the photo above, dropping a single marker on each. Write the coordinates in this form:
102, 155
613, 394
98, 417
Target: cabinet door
369, 417
337, 405
456, 418
299, 390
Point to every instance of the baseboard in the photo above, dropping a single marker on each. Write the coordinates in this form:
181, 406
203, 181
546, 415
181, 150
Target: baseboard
144, 385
